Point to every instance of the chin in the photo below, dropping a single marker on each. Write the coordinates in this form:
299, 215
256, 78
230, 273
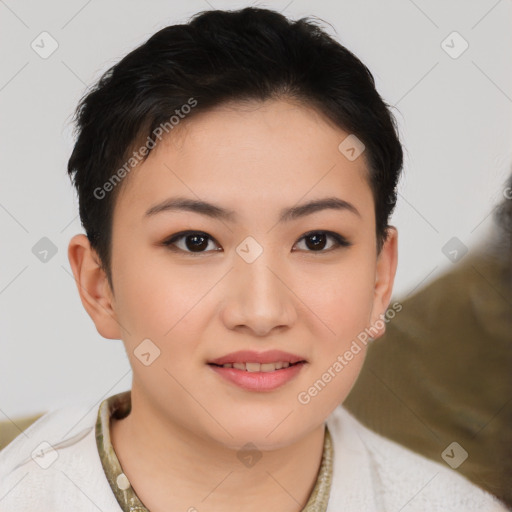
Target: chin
265, 436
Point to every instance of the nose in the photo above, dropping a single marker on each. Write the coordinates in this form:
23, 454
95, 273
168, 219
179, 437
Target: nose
259, 299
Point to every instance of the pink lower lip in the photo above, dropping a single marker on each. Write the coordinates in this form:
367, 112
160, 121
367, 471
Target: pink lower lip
258, 381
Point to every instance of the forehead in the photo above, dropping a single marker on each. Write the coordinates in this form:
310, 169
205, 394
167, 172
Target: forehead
257, 156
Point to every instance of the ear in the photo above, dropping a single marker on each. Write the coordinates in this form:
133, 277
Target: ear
93, 287
384, 278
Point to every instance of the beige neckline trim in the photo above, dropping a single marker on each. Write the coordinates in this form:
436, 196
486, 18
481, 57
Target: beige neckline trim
119, 406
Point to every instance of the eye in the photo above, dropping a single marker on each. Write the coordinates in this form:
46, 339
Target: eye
317, 241
196, 242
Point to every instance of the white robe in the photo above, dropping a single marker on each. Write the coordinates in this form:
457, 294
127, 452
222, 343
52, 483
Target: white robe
370, 473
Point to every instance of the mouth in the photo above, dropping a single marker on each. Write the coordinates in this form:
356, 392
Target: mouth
253, 367
253, 361
258, 371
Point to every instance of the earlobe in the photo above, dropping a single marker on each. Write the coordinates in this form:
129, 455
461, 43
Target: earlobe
93, 286
387, 262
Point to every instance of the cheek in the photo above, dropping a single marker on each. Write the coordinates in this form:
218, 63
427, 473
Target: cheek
150, 299
341, 298
160, 310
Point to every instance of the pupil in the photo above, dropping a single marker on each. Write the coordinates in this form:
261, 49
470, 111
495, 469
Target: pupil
194, 245
319, 241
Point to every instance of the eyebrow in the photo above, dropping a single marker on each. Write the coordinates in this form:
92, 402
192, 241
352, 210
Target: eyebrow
217, 212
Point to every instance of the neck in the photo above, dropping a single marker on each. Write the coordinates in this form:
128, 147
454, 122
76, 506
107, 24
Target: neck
174, 469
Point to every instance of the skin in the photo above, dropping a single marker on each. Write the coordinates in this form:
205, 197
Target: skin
178, 445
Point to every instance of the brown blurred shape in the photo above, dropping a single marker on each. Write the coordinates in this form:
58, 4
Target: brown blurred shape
443, 370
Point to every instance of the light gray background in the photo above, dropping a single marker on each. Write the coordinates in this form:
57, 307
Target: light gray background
454, 117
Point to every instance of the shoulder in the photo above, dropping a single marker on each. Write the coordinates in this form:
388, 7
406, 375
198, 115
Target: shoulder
383, 475
54, 465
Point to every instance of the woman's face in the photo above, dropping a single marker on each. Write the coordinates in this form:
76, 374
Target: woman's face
254, 279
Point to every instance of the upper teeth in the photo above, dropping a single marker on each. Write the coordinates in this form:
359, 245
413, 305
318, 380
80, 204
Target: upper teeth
257, 367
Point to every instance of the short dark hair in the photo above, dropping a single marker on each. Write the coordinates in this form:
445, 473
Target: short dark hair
219, 57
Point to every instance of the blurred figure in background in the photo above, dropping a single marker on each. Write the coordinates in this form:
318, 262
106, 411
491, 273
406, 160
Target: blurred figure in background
443, 369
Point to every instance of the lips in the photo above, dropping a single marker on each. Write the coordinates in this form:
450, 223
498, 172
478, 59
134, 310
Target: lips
249, 356
258, 371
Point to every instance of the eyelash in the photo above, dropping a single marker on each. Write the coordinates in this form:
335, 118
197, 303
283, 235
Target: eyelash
341, 242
